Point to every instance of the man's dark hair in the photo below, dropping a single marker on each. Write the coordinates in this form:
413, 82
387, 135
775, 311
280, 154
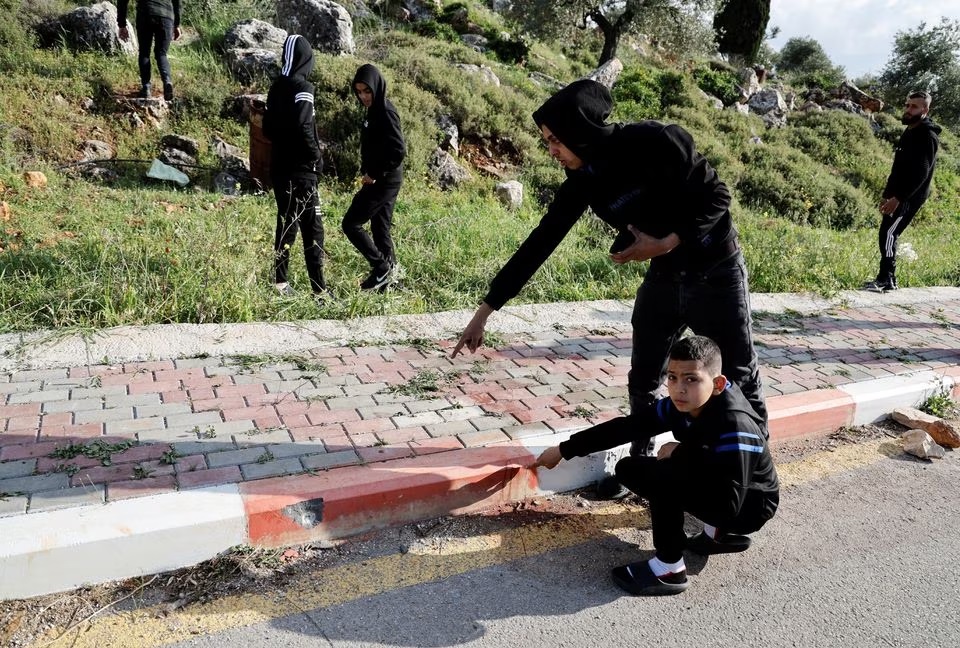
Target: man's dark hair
699, 348
922, 94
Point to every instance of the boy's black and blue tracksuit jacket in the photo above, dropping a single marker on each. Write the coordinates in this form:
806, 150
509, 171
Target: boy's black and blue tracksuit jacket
723, 450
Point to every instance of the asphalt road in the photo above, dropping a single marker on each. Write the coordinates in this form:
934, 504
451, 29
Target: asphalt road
864, 552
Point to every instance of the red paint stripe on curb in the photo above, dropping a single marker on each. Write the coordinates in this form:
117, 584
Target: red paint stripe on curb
287, 510
810, 413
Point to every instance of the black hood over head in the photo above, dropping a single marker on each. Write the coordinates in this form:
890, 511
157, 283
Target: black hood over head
577, 115
370, 75
297, 58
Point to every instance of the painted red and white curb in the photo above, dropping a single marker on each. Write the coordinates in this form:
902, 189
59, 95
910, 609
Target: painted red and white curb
60, 550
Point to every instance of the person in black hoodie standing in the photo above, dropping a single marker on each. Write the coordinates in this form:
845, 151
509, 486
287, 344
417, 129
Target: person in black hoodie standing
908, 185
382, 151
157, 21
648, 181
719, 470
295, 164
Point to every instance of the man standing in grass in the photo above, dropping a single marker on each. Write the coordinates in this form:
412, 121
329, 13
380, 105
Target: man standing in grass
295, 165
157, 21
908, 186
648, 181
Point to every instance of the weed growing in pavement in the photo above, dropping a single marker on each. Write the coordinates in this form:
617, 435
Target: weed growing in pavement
170, 457
265, 457
141, 472
250, 363
209, 433
424, 345
582, 411
100, 450
69, 469
940, 403
424, 382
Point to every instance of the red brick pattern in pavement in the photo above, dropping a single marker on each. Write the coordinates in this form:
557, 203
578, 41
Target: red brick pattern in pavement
210, 421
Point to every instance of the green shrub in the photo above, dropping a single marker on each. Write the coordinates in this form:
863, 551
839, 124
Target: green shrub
719, 83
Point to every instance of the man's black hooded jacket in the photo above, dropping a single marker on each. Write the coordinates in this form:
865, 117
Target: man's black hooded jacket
289, 120
382, 148
914, 161
645, 174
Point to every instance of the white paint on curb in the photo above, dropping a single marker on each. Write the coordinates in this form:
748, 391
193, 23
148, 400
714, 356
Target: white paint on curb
875, 399
54, 551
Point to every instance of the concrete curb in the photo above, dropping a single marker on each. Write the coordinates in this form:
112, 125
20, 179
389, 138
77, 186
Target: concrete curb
59, 550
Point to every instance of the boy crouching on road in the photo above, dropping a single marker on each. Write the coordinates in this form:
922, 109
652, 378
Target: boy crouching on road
720, 469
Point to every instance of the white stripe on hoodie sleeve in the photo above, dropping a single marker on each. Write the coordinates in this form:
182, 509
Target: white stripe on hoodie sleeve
303, 96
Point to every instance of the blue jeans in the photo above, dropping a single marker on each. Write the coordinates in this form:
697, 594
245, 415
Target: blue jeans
715, 304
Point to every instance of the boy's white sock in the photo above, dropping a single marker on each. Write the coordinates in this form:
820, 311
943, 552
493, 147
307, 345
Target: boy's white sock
660, 568
711, 531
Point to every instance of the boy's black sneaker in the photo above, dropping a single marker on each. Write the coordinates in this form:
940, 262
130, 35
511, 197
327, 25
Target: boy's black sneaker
727, 543
168, 92
638, 579
377, 279
144, 91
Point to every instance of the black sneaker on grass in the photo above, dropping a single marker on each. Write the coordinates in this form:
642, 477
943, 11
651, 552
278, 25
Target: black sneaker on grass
880, 286
638, 579
168, 92
144, 91
378, 278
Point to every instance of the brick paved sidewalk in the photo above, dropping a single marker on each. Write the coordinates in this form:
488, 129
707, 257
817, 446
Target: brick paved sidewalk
98, 433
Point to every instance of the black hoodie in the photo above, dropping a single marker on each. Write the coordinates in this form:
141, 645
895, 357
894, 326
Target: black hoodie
381, 141
150, 9
914, 160
724, 448
289, 121
646, 174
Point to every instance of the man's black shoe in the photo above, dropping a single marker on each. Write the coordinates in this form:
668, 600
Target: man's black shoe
727, 543
168, 91
608, 488
880, 286
144, 91
377, 279
638, 579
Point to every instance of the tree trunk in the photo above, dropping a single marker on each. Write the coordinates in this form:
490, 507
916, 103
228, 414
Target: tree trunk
611, 36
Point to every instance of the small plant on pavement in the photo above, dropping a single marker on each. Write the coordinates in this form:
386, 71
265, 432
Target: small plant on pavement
940, 403
100, 450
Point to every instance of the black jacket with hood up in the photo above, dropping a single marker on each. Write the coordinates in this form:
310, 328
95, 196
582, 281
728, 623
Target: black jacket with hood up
382, 148
724, 449
645, 174
914, 161
289, 121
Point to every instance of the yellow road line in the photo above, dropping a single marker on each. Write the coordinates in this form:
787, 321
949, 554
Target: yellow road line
147, 627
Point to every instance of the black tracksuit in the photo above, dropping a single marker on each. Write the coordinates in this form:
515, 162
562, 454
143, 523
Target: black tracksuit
295, 161
721, 472
382, 150
914, 161
651, 176
156, 20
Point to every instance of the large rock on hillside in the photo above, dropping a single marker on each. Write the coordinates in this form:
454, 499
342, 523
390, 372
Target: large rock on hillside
88, 28
445, 170
485, 73
766, 101
254, 34
325, 24
249, 64
850, 91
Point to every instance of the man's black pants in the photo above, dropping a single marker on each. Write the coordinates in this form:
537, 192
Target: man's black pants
891, 227
374, 204
672, 491
297, 203
160, 32
715, 304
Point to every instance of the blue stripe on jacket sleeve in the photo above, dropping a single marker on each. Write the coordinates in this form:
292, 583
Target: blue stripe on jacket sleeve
661, 408
738, 447
746, 435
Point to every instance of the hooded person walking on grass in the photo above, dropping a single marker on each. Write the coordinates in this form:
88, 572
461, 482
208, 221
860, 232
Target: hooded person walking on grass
158, 21
382, 150
647, 180
295, 165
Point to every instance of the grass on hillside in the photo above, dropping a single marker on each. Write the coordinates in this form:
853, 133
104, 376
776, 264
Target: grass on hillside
83, 254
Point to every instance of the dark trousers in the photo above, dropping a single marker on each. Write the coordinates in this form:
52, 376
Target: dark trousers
672, 490
715, 304
891, 227
160, 31
297, 203
374, 204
